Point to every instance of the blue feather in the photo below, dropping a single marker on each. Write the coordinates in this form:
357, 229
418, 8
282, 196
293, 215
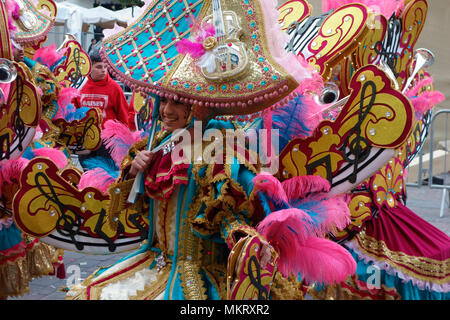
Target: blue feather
291, 121
75, 114
28, 154
106, 164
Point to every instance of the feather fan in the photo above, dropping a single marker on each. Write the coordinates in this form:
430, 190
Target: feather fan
291, 119
104, 163
322, 260
73, 113
426, 101
65, 98
12, 169
328, 214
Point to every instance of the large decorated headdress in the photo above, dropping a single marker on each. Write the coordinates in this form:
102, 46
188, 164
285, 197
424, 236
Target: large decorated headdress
224, 55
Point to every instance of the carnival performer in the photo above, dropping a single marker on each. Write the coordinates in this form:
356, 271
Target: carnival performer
197, 224
216, 229
151, 272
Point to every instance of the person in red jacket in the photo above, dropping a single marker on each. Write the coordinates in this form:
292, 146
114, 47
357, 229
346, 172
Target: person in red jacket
102, 92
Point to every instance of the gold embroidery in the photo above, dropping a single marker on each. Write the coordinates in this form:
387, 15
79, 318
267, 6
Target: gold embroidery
162, 213
286, 288
189, 267
423, 268
188, 261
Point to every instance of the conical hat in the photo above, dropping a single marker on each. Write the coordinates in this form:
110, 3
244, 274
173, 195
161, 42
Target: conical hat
251, 70
35, 19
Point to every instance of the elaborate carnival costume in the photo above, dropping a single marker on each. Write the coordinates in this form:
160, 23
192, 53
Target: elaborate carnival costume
30, 95
201, 225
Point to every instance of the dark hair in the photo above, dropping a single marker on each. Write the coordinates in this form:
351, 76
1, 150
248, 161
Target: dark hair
95, 56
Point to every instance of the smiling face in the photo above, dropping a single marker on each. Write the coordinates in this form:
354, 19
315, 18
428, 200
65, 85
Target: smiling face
174, 115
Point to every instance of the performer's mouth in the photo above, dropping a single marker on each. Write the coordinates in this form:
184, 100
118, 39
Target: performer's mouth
170, 120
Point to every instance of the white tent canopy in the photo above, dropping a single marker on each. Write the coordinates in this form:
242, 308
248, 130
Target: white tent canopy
78, 19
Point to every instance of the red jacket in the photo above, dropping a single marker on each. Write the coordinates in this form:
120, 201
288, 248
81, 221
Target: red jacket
108, 96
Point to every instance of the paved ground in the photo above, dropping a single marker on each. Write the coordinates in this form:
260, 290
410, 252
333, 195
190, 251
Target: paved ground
424, 201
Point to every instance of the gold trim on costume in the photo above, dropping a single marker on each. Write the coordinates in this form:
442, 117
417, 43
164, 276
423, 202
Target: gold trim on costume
422, 268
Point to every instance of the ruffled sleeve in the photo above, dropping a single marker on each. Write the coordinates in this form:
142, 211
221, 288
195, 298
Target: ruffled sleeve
224, 203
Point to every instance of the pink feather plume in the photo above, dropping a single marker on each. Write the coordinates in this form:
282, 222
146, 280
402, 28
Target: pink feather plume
48, 55
97, 178
57, 156
298, 187
194, 45
271, 186
119, 138
12, 169
324, 261
292, 233
287, 228
427, 100
414, 91
12, 11
332, 213
65, 97
384, 7
194, 49
201, 31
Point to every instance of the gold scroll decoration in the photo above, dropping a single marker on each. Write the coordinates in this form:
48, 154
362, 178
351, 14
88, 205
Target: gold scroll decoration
46, 202
360, 211
19, 116
80, 134
375, 115
366, 52
76, 65
338, 37
413, 19
387, 184
293, 11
